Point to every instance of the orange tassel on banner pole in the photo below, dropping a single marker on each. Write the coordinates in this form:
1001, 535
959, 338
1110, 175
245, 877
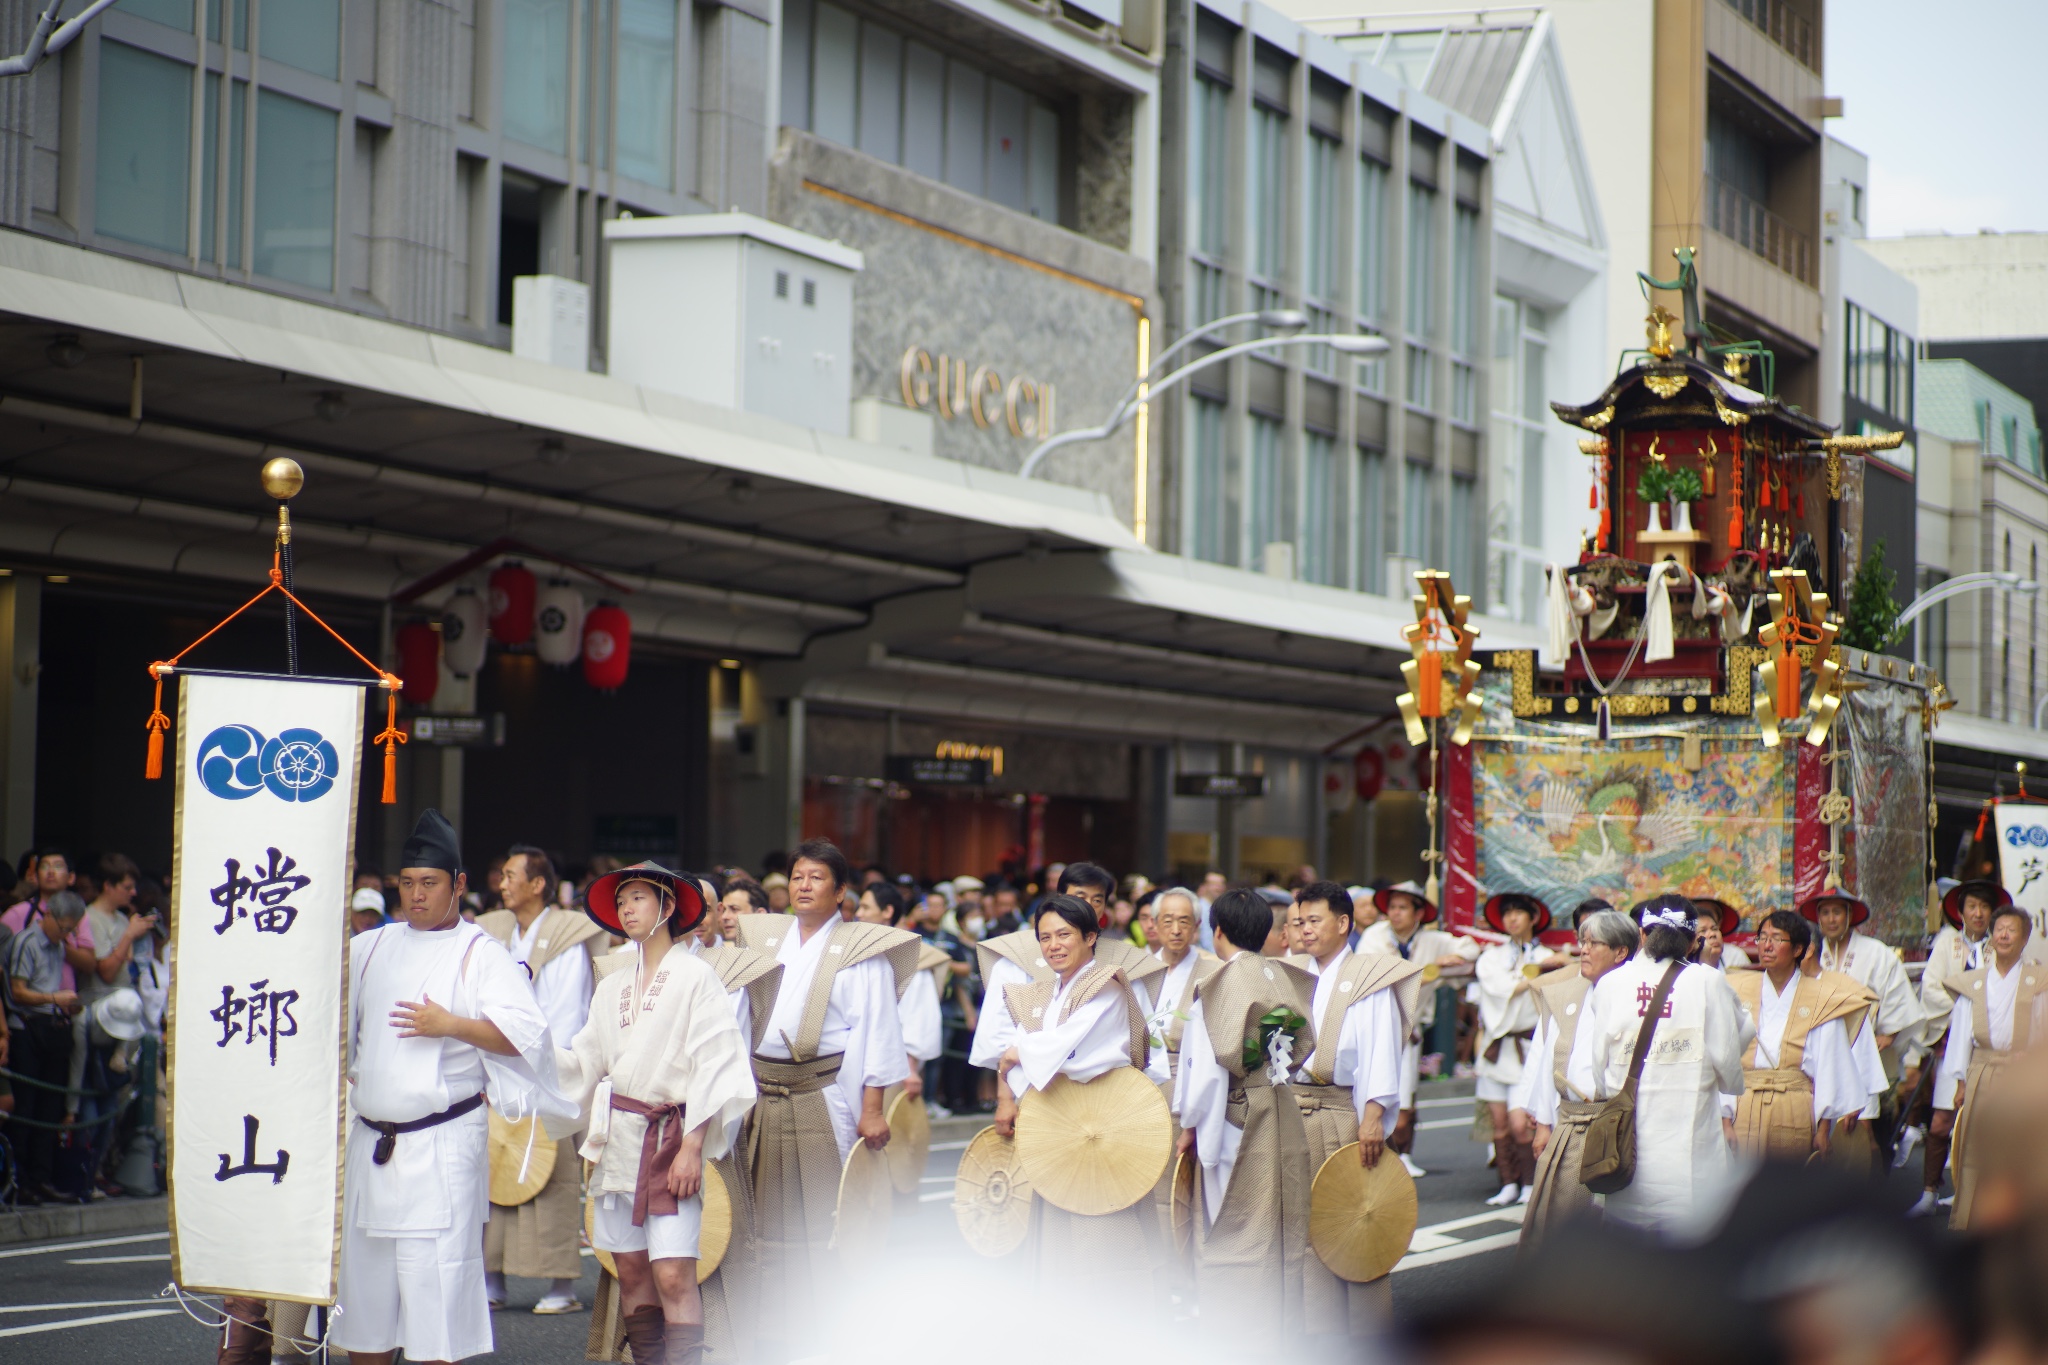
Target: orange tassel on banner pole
153, 766
390, 737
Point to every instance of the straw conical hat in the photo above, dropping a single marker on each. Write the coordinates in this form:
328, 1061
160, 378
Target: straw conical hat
1098, 1147
992, 1195
910, 1141
716, 1235
509, 1147
860, 1227
1187, 1202
1360, 1218
604, 1258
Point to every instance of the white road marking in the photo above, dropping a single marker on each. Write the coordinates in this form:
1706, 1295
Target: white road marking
1443, 1123
118, 1260
934, 1198
60, 1307
1445, 1103
86, 1322
948, 1147
936, 1179
1430, 1245
1458, 1251
80, 1246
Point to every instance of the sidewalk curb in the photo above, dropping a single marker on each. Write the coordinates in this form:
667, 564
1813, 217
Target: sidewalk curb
57, 1221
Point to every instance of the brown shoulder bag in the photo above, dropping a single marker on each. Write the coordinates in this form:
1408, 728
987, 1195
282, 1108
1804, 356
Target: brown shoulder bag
1608, 1162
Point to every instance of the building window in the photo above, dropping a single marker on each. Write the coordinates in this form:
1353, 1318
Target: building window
645, 93
1467, 532
1465, 317
536, 100
1421, 377
1267, 181
1272, 495
867, 85
1322, 217
1321, 554
1209, 198
303, 33
222, 203
145, 139
295, 168
1418, 539
1521, 420
1422, 258
1372, 240
1212, 489
1878, 365
1371, 519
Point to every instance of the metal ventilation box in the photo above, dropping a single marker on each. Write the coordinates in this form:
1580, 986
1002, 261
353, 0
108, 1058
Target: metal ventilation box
731, 309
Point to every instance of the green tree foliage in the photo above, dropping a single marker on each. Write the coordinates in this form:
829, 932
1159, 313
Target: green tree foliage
1873, 614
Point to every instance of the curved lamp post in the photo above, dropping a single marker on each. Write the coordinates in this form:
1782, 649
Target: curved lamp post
1959, 586
1350, 343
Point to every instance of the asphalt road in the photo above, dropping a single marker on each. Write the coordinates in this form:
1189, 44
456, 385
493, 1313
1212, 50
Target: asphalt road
98, 1301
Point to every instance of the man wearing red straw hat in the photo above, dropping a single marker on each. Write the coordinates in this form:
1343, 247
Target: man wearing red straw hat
1406, 911
1895, 1014
1507, 1013
661, 1068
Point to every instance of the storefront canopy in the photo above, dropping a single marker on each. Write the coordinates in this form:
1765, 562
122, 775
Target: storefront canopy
142, 401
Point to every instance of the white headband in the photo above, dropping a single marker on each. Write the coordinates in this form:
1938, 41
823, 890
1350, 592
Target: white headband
1671, 917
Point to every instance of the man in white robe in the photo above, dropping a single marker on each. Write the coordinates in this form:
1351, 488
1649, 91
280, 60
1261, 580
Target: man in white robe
661, 1072
1240, 1119
832, 1044
1507, 1015
1813, 1060
1897, 1017
917, 1007
1992, 1021
439, 1013
541, 1239
1405, 913
1350, 1082
1682, 1157
1014, 960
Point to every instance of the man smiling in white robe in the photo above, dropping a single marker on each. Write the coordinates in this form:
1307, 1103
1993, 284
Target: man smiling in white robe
416, 1193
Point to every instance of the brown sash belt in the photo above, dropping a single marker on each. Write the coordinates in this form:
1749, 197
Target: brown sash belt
1492, 1053
659, 1147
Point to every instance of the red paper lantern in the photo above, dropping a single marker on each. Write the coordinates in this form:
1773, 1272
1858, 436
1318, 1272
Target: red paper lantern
512, 595
419, 661
607, 646
1369, 772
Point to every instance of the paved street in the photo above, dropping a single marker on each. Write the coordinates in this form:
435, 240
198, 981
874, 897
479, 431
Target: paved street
95, 1300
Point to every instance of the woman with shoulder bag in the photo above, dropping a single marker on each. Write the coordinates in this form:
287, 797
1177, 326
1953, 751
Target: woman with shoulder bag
1691, 1054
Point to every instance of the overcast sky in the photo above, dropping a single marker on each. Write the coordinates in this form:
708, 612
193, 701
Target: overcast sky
1950, 103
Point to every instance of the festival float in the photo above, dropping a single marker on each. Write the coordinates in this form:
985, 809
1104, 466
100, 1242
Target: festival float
1697, 720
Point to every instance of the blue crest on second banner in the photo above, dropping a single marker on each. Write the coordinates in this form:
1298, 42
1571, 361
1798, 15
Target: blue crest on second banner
236, 761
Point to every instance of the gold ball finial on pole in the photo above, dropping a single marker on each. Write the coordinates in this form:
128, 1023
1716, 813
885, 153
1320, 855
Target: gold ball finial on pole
282, 478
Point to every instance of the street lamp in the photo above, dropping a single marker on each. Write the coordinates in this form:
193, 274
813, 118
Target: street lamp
1957, 587
1350, 343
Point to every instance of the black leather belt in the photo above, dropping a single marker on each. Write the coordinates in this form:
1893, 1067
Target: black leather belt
387, 1142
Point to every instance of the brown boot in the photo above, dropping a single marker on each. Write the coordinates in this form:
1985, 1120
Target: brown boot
644, 1335
247, 1338
685, 1343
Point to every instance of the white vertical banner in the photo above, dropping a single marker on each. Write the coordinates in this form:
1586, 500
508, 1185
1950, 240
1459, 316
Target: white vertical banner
2023, 857
266, 802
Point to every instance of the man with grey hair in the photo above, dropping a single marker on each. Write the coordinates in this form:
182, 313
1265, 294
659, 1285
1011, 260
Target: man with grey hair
1548, 1097
40, 1004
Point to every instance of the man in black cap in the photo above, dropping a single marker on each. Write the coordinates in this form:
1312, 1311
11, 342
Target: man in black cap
441, 1013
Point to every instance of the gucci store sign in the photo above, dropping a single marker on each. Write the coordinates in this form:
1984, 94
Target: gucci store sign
958, 388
